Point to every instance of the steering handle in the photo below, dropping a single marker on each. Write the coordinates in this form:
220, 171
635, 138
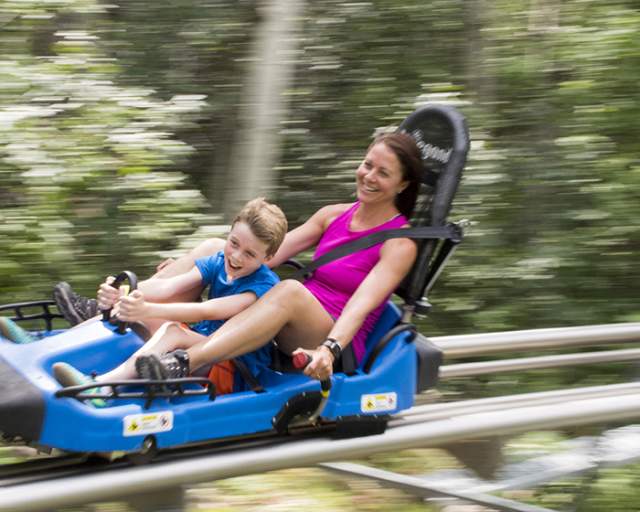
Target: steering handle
133, 284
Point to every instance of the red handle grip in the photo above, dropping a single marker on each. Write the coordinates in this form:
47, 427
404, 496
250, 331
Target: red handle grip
301, 359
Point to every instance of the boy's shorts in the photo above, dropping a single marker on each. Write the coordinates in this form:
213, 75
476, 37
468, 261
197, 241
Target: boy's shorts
228, 379
224, 374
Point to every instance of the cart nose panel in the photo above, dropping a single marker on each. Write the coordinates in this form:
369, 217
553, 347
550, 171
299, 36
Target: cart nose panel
21, 405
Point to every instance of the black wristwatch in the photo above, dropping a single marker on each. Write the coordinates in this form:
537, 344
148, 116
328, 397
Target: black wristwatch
334, 347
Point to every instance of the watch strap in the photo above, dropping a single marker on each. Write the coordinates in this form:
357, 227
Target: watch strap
335, 348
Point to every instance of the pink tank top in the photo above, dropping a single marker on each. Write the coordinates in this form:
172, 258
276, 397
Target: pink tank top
333, 284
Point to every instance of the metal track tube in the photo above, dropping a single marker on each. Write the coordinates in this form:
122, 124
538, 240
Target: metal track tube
556, 338
431, 412
532, 363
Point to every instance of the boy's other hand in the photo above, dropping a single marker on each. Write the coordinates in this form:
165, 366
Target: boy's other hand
132, 307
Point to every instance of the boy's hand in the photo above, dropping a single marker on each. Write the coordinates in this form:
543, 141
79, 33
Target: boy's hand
321, 365
108, 295
133, 307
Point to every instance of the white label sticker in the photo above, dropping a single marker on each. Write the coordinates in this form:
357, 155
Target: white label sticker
378, 402
142, 424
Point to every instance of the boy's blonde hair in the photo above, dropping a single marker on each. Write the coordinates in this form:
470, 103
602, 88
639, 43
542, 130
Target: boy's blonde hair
266, 221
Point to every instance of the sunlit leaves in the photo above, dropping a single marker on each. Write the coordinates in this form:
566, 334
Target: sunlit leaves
84, 158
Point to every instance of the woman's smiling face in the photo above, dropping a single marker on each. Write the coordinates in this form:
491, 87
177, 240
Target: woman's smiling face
243, 252
379, 177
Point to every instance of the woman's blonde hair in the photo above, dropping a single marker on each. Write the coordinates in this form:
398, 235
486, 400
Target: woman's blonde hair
266, 221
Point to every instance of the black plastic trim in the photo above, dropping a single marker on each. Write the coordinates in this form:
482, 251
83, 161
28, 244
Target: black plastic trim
384, 341
429, 361
303, 404
360, 425
19, 315
22, 406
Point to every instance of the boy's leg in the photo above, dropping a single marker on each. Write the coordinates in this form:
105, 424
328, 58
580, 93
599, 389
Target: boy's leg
171, 336
67, 375
13, 332
74, 308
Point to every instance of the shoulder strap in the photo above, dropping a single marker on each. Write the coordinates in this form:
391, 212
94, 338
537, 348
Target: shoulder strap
448, 232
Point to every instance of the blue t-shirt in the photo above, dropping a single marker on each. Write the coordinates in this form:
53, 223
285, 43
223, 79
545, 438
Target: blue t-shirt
215, 276
259, 282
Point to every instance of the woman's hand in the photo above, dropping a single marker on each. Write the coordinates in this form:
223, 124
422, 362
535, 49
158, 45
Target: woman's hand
108, 296
321, 365
133, 307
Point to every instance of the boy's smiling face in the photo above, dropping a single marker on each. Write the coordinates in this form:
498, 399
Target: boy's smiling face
243, 252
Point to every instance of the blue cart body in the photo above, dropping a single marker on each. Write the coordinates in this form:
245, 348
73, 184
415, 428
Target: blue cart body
73, 425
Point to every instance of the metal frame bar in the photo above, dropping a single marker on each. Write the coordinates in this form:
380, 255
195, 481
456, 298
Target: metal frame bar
612, 448
419, 487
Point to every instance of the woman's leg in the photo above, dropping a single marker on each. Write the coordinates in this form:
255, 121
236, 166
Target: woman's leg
171, 336
288, 310
185, 263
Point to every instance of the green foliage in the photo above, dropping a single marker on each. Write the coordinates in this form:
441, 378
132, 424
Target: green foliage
89, 168
117, 120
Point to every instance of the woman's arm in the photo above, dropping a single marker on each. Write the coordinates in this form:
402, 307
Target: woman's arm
396, 259
306, 235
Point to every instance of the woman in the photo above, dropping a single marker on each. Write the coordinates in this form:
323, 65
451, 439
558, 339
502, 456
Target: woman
341, 302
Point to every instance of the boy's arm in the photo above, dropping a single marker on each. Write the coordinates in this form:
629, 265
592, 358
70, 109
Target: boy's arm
134, 307
162, 291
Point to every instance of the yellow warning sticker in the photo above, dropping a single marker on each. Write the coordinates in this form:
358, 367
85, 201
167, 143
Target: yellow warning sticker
378, 402
142, 424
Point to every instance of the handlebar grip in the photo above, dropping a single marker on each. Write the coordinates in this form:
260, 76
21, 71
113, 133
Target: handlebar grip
301, 359
133, 284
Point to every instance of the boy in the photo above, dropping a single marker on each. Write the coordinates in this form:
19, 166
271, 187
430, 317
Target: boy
237, 276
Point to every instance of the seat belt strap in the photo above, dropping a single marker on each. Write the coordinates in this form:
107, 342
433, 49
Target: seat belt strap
448, 232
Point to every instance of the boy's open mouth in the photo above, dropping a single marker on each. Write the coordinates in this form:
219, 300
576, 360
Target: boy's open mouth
234, 267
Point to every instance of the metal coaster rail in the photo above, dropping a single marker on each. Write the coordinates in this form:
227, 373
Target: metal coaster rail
467, 345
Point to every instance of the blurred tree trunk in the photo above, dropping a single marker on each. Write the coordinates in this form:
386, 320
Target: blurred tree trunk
480, 76
271, 64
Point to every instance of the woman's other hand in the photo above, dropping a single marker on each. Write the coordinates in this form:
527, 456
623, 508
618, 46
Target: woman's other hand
132, 307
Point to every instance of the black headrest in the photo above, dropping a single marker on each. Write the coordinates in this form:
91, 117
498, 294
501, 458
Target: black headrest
442, 136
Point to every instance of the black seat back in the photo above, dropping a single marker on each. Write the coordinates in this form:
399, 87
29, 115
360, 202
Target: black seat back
442, 136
